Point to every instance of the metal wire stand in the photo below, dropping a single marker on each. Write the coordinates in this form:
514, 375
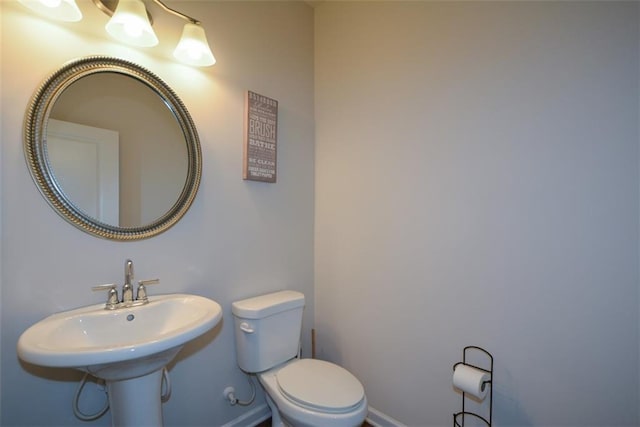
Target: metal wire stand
462, 414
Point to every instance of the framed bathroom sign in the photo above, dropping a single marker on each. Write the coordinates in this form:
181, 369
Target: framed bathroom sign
260, 138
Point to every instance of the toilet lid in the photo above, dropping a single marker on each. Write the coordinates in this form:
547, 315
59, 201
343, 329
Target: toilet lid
320, 385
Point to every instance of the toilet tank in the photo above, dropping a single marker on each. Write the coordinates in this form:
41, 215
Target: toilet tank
267, 329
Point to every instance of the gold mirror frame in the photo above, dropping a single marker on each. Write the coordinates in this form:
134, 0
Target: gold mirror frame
35, 147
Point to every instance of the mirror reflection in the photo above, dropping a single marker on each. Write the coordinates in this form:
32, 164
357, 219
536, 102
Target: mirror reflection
112, 149
116, 150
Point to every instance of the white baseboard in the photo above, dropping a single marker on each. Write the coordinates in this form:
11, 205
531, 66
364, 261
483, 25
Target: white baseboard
378, 419
251, 418
262, 412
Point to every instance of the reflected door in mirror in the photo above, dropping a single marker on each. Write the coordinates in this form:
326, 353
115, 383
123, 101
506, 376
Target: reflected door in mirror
85, 161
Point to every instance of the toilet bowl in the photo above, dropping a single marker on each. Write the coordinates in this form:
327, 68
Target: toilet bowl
312, 393
300, 392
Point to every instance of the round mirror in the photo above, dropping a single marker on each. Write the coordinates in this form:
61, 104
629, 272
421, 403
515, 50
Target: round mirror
112, 149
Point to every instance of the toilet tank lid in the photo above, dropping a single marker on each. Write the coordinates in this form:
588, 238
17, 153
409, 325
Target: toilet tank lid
266, 305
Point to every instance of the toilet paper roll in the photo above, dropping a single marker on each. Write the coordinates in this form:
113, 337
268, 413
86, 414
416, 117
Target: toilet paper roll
471, 380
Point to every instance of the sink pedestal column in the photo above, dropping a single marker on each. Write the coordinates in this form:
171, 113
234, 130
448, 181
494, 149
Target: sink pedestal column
136, 402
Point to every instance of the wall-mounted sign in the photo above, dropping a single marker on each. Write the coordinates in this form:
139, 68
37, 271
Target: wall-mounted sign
260, 138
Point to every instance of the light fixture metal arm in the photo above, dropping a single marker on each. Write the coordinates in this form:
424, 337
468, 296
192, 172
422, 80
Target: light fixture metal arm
175, 12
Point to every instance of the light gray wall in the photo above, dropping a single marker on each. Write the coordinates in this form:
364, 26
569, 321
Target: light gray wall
239, 239
477, 184
2, 126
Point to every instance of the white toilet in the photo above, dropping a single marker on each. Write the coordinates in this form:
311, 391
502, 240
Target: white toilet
300, 392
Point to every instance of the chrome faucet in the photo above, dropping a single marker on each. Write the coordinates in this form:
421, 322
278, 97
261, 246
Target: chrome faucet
127, 288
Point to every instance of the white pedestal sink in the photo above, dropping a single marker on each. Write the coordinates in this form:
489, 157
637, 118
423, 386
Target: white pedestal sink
127, 347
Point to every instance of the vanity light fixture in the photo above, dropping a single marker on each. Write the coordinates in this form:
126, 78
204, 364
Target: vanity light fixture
130, 23
193, 48
60, 10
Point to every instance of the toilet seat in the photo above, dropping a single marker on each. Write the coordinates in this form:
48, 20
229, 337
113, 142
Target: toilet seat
320, 386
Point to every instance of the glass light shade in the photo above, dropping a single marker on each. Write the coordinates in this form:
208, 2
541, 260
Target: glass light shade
60, 10
193, 48
130, 24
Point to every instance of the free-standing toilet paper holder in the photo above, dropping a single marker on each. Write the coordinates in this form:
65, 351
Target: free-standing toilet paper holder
462, 414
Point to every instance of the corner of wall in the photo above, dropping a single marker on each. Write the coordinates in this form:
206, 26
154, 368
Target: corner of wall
1, 221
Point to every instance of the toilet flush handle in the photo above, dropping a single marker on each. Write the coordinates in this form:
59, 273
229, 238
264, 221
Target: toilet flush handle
245, 327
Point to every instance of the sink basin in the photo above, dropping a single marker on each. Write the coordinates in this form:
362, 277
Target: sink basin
122, 343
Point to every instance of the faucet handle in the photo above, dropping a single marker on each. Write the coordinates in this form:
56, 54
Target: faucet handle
141, 294
112, 298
